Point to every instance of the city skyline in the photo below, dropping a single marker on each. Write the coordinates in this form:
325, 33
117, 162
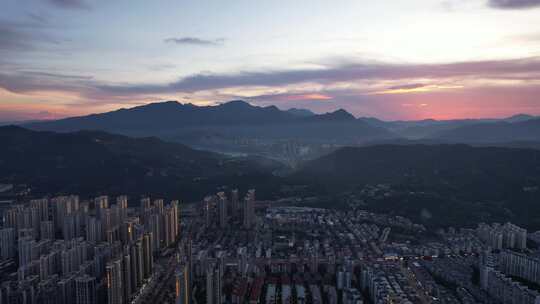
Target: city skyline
399, 60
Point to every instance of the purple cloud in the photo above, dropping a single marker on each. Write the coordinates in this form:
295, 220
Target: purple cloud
26, 82
516, 68
526, 70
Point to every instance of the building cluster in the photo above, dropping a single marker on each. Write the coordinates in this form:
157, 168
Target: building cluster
520, 265
218, 208
239, 250
507, 290
504, 271
507, 269
302, 255
64, 250
503, 236
316, 255
455, 270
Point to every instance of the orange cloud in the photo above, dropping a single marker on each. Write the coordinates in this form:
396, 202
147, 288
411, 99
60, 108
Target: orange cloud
416, 88
307, 97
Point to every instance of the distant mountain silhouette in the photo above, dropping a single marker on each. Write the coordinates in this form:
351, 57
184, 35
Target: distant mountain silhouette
497, 132
417, 129
192, 124
300, 112
221, 126
170, 114
90, 162
338, 115
20, 122
519, 118
431, 128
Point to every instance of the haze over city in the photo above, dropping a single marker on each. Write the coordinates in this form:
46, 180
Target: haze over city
394, 60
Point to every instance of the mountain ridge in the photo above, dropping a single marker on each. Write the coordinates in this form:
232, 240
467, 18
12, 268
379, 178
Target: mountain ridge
188, 123
494, 132
225, 123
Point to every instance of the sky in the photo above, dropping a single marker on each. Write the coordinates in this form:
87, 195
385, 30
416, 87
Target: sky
390, 59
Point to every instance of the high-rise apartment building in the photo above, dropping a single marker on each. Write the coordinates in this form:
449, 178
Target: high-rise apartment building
85, 290
7, 243
182, 286
248, 210
47, 230
114, 283
235, 203
222, 209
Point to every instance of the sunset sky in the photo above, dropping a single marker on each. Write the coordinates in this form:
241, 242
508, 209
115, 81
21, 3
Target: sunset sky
391, 59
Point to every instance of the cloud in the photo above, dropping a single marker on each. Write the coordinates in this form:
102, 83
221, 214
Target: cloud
161, 67
38, 18
70, 4
195, 41
28, 82
13, 39
23, 36
76, 97
57, 75
308, 96
347, 85
456, 5
525, 38
285, 97
526, 68
513, 4
416, 88
411, 86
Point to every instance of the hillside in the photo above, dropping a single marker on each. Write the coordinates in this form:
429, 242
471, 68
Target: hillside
456, 182
90, 162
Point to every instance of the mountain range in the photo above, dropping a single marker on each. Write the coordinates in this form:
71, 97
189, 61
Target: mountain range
435, 129
229, 121
225, 124
502, 131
